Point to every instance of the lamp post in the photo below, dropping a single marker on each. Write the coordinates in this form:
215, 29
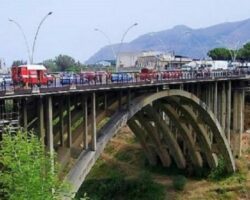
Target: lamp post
108, 39
24, 37
122, 39
35, 38
164, 48
30, 55
233, 50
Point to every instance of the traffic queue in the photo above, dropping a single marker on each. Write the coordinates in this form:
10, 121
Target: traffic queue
37, 75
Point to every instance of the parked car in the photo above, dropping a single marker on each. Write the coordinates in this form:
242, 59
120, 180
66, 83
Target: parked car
7, 80
68, 79
121, 77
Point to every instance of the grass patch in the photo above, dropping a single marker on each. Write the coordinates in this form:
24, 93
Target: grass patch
119, 188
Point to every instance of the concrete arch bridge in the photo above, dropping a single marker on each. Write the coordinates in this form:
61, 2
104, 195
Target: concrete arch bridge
188, 123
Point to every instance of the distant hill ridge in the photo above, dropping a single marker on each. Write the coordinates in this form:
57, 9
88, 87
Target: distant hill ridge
184, 40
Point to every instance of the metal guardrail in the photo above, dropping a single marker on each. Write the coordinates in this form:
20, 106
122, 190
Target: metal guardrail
105, 81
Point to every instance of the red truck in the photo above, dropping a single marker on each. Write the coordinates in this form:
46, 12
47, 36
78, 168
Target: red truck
31, 75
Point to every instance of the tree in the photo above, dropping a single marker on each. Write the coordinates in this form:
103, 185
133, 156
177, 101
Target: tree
64, 62
19, 62
219, 54
51, 65
26, 169
244, 52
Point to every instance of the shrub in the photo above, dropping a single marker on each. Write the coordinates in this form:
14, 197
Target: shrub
218, 172
179, 182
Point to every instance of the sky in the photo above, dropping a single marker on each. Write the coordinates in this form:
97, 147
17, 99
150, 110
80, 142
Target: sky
70, 29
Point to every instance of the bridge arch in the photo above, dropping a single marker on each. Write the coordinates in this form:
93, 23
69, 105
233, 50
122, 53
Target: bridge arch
177, 98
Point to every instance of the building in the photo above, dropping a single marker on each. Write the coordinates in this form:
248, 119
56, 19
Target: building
161, 60
106, 63
127, 59
150, 59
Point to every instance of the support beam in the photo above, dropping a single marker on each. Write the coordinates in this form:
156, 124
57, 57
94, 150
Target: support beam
41, 120
25, 114
141, 135
185, 133
168, 136
228, 123
191, 118
154, 136
128, 99
93, 122
120, 100
238, 121
49, 127
105, 101
216, 99
223, 106
61, 121
85, 122
69, 131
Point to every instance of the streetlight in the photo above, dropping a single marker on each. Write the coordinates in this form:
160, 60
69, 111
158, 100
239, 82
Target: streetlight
119, 48
108, 39
24, 37
35, 38
30, 55
164, 47
233, 50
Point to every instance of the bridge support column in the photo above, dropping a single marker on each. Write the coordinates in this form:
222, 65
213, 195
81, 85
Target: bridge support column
105, 101
238, 121
61, 121
120, 100
85, 122
25, 115
228, 123
41, 120
93, 122
128, 99
69, 131
49, 127
223, 106
216, 99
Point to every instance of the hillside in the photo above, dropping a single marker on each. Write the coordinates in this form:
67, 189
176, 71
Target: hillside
184, 40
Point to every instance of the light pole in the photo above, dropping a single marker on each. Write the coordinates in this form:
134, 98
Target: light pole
233, 50
24, 37
35, 38
119, 48
164, 48
30, 55
108, 39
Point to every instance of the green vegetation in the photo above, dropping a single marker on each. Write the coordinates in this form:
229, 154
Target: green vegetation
26, 169
243, 54
63, 63
220, 171
117, 187
179, 182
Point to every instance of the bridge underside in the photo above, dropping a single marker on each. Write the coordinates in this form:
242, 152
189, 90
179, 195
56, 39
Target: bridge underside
188, 125
173, 127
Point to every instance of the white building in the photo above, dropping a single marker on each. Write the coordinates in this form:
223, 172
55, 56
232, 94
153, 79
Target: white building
127, 59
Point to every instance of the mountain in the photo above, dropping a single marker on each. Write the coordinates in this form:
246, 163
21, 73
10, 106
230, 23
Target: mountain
184, 40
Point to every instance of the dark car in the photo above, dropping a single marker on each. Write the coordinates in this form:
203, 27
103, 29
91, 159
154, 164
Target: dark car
121, 77
68, 79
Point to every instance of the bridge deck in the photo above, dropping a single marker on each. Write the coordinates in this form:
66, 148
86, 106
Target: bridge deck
22, 92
